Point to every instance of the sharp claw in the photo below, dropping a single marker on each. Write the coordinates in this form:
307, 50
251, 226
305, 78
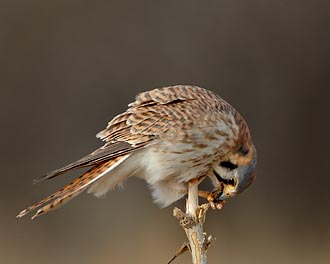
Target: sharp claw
213, 206
219, 205
214, 200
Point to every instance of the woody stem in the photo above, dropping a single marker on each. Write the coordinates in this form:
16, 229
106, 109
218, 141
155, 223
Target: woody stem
195, 234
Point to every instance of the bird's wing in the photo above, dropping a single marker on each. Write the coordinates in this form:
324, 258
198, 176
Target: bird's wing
107, 152
160, 111
168, 110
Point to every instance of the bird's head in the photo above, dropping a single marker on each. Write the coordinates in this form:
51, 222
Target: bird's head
237, 172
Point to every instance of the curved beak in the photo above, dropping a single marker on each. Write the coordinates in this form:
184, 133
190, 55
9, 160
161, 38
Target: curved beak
227, 192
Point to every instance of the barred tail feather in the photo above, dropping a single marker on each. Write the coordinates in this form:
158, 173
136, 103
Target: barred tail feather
74, 188
57, 203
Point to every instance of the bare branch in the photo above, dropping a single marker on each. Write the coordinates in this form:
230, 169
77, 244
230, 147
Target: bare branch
181, 250
195, 233
192, 221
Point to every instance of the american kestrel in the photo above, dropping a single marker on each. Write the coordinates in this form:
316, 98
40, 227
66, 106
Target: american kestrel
168, 136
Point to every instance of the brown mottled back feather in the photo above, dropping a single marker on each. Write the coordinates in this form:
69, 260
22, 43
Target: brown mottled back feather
159, 111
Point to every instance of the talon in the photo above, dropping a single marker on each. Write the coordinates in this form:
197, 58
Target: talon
214, 201
219, 205
210, 199
213, 198
213, 205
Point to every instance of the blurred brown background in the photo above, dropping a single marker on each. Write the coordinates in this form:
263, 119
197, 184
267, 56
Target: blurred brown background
67, 67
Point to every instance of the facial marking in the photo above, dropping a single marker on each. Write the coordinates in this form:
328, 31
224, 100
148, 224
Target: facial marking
217, 176
228, 165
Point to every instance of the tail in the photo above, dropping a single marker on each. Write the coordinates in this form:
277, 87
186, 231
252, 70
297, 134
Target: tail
74, 188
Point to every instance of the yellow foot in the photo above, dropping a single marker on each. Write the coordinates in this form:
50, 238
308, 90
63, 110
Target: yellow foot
212, 198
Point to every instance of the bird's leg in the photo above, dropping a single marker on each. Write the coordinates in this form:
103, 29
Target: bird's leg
198, 180
212, 198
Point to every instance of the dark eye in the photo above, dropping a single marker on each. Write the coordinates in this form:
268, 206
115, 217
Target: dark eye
231, 182
228, 165
243, 151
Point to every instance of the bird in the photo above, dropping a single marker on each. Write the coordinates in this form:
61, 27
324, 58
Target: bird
169, 137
